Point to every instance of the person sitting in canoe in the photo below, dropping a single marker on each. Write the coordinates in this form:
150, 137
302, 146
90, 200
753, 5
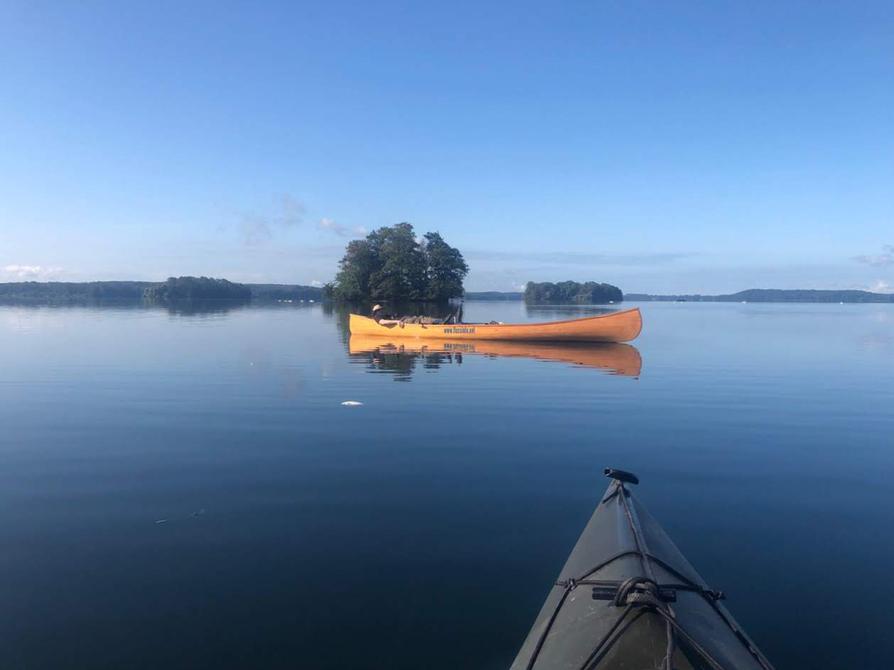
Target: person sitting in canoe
378, 314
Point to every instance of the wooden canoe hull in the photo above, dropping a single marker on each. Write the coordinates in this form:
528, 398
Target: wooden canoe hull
617, 359
614, 327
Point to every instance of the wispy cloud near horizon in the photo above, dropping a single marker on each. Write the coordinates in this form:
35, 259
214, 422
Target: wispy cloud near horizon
331, 226
31, 272
257, 228
882, 260
579, 257
881, 286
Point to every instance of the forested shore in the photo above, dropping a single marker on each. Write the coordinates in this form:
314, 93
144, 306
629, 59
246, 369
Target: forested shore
174, 289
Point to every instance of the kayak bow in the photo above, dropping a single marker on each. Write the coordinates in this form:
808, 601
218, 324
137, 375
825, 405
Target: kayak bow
627, 598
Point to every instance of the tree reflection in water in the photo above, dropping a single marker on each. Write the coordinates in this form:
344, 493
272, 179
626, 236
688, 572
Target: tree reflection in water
402, 358
401, 362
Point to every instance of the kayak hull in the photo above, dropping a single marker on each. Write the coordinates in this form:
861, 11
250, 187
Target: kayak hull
614, 327
627, 598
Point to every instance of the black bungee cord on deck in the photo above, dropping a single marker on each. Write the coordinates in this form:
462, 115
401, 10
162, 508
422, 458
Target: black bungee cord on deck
641, 595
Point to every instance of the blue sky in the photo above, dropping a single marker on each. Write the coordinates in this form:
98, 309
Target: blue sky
660, 146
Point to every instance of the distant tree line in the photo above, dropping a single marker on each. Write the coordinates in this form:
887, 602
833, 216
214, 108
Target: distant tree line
392, 264
174, 290
72, 292
571, 293
774, 295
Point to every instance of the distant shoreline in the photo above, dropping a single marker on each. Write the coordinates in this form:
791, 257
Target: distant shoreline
772, 295
750, 295
62, 293
132, 291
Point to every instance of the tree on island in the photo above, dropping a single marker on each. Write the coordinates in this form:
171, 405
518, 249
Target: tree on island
189, 289
571, 293
391, 263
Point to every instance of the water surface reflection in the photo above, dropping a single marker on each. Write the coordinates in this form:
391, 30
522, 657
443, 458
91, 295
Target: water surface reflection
402, 357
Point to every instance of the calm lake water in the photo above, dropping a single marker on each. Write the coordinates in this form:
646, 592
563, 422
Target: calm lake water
186, 490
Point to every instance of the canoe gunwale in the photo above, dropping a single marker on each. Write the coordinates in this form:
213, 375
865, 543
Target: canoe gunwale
487, 324
620, 326
554, 323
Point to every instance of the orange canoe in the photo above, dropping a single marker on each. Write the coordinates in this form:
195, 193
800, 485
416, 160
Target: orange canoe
618, 359
613, 327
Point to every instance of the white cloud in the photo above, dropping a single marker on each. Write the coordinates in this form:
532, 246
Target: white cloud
565, 258
317, 283
881, 260
881, 286
31, 272
343, 231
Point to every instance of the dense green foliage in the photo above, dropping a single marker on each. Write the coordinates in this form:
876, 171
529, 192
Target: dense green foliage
392, 264
186, 289
445, 269
571, 293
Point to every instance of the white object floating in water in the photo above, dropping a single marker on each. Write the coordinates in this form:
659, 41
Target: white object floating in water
160, 521
351, 403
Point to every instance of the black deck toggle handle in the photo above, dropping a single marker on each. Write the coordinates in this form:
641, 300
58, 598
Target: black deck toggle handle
621, 475
605, 592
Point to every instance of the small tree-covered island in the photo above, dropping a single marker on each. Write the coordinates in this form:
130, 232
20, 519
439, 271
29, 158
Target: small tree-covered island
194, 289
393, 264
571, 293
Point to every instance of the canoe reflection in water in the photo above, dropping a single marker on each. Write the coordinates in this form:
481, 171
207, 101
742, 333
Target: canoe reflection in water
401, 357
